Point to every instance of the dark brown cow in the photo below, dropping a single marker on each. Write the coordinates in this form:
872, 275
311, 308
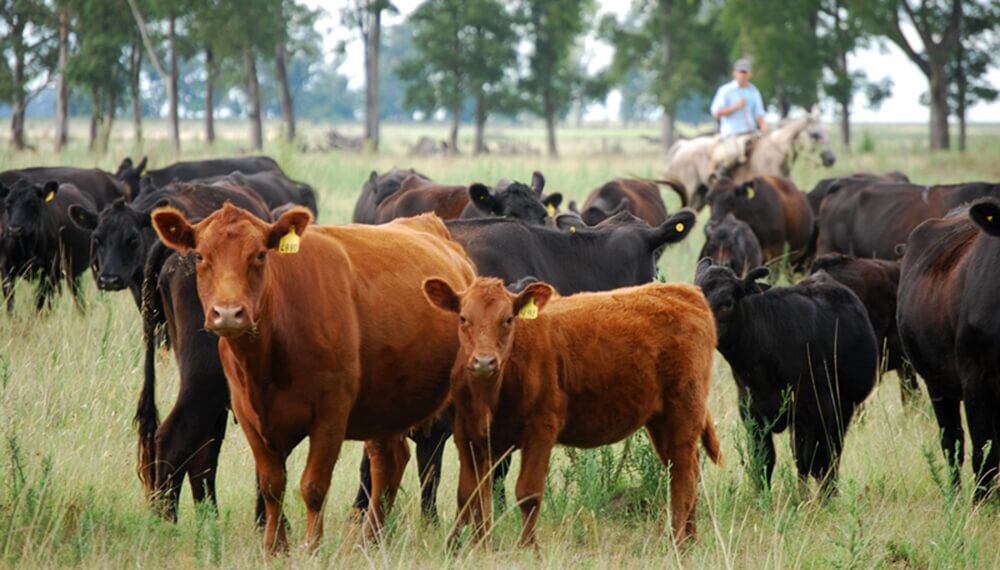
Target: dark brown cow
949, 323
776, 210
828, 186
525, 383
875, 281
417, 195
872, 220
732, 243
376, 189
324, 336
642, 199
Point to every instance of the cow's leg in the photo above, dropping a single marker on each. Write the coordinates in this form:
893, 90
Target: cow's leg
430, 453
204, 465
949, 418
361, 499
272, 478
8, 292
388, 459
500, 471
324, 449
981, 407
909, 388
760, 443
676, 444
535, 455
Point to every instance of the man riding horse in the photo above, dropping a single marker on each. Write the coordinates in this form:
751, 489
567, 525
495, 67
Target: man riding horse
739, 108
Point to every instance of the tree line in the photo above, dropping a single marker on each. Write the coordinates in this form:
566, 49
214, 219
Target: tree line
473, 59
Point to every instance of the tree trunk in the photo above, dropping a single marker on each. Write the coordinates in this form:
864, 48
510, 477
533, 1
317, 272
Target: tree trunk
135, 60
253, 95
175, 133
62, 87
209, 95
95, 116
845, 124
19, 88
373, 48
784, 106
961, 83
667, 129
480, 123
939, 106
456, 118
550, 119
284, 94
108, 123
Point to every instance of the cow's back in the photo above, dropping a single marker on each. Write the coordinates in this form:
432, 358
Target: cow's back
417, 195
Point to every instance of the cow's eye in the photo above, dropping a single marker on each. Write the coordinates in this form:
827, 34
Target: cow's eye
509, 321
461, 320
198, 257
262, 256
133, 241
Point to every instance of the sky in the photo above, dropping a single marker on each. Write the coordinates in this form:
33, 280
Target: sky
877, 62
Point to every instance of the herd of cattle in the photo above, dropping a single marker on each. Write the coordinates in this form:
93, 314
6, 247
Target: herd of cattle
487, 314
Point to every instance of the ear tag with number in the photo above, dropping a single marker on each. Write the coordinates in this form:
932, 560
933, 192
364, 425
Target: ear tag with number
50, 196
550, 209
529, 311
289, 242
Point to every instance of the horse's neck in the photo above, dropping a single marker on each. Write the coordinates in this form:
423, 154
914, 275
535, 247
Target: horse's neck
783, 137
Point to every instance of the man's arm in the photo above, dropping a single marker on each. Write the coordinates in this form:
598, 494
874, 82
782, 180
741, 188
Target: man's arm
718, 111
759, 111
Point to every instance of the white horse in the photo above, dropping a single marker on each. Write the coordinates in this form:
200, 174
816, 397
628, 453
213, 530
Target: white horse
690, 161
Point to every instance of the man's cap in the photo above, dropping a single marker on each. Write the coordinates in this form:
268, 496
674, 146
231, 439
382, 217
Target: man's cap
742, 64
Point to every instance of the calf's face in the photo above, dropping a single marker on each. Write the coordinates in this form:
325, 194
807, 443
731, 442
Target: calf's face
231, 249
488, 315
25, 205
724, 289
120, 240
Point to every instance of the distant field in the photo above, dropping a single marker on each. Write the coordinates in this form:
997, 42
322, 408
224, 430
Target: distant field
69, 382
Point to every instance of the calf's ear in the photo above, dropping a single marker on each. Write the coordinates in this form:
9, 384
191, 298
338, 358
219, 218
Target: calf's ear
440, 294
750, 284
83, 218
49, 190
529, 302
987, 216
483, 199
538, 183
673, 230
142, 166
173, 229
4, 191
553, 200
294, 220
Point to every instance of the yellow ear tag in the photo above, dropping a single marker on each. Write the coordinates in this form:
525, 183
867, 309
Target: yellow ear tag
551, 209
50, 196
989, 218
679, 228
289, 243
572, 229
529, 311
750, 193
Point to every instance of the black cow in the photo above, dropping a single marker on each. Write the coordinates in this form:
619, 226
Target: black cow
39, 239
187, 171
376, 189
949, 322
101, 186
123, 236
828, 186
731, 242
802, 356
510, 199
188, 441
875, 281
272, 186
619, 252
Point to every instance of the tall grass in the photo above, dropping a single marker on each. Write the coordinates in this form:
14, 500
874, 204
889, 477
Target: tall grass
69, 380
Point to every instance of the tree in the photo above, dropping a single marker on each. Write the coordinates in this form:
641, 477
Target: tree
938, 25
781, 37
171, 10
365, 16
553, 27
676, 44
62, 85
30, 53
975, 53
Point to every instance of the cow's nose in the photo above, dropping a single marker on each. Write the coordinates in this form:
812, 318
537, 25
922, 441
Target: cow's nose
227, 318
15, 231
482, 364
110, 282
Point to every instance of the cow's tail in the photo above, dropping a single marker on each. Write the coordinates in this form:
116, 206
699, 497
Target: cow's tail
677, 187
147, 418
710, 441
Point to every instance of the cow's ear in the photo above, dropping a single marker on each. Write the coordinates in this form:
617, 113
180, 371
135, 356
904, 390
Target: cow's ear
538, 183
572, 207
142, 166
750, 284
712, 179
174, 230
48, 191
483, 199
552, 201
987, 216
569, 222
529, 302
4, 191
703, 265
295, 220
82, 217
747, 189
673, 230
440, 294
373, 178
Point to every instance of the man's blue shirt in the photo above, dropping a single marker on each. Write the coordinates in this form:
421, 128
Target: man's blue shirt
742, 120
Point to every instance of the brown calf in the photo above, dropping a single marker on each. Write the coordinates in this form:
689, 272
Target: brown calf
552, 377
330, 342
640, 197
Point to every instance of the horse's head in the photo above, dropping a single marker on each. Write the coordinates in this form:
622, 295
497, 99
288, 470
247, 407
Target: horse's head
812, 138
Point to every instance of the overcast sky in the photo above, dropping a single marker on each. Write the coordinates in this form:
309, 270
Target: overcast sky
903, 107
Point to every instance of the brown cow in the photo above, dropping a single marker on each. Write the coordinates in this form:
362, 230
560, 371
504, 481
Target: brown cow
551, 377
417, 195
776, 210
331, 342
641, 198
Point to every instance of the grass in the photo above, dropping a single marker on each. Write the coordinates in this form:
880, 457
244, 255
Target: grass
69, 381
